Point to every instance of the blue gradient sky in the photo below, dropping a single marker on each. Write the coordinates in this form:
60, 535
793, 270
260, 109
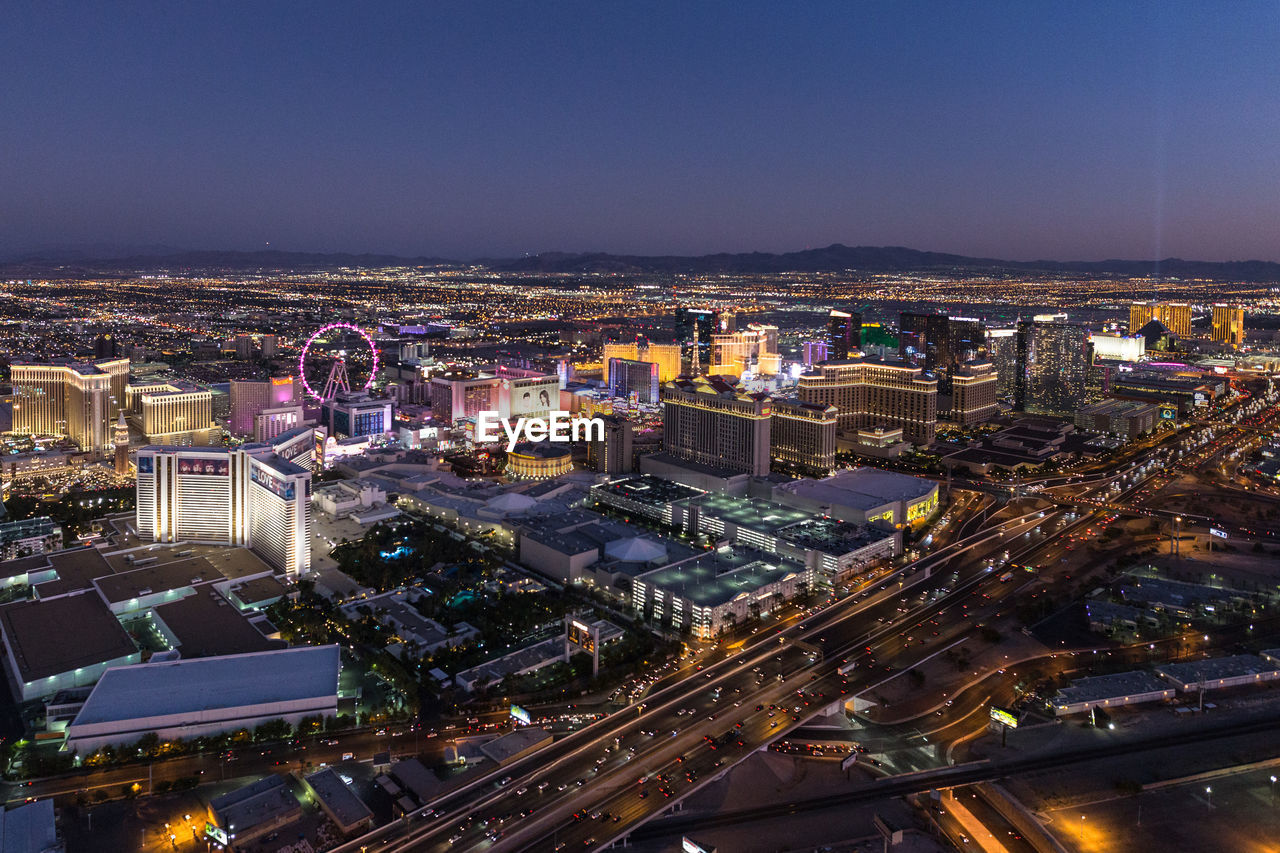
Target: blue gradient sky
1019, 130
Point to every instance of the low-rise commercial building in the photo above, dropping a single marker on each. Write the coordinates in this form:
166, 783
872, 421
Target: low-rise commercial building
1128, 419
347, 811
1219, 673
864, 496
64, 642
206, 696
1110, 691
238, 818
717, 590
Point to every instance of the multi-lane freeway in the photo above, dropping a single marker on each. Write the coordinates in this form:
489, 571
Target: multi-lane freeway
598, 784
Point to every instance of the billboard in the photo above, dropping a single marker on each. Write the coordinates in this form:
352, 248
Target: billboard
217, 833
1004, 717
520, 715
1221, 534
211, 467
285, 489
581, 636
146, 464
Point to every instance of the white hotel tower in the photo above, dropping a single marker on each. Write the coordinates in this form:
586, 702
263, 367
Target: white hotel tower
248, 496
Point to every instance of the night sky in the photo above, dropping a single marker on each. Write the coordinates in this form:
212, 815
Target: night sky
1019, 130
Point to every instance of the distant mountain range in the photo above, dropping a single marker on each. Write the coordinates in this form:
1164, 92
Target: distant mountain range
833, 258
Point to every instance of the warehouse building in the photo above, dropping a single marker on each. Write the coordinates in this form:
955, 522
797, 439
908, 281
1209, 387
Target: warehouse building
1220, 673
1110, 691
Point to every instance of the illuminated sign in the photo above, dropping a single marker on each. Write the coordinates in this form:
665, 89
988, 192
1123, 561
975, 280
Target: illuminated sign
1004, 717
1221, 534
688, 845
217, 833
285, 489
520, 714
214, 467
580, 635
146, 464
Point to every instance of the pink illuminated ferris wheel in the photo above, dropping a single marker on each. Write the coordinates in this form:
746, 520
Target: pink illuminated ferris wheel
338, 379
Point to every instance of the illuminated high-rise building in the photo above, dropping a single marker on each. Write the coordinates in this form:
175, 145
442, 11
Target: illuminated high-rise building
632, 379
968, 340
705, 321
176, 414
270, 423
844, 335
106, 346
612, 453
610, 351
1002, 352
754, 349
974, 387
804, 435
249, 397
1176, 316
249, 496
1054, 360
707, 421
1228, 324
354, 413
925, 338
873, 392
666, 356
816, 351
76, 399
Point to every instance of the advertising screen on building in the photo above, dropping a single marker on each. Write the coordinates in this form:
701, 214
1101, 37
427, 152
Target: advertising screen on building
520, 714
146, 464
212, 467
280, 488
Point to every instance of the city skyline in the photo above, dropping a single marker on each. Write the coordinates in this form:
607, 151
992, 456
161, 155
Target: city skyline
1090, 133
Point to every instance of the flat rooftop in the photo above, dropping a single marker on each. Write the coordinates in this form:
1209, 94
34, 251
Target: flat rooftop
1212, 669
1115, 686
718, 577
268, 799
341, 800
52, 636
157, 578
861, 488
206, 624
257, 590
76, 570
649, 490
232, 681
510, 745
754, 513
831, 536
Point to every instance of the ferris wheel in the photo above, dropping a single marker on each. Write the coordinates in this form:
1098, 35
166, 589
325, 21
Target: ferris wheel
338, 380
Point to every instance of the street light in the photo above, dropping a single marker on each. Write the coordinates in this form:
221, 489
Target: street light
1208, 795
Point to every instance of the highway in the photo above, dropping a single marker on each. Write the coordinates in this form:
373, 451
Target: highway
873, 627
574, 757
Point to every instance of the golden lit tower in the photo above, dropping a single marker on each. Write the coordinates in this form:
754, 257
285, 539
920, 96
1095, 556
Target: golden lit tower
121, 438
